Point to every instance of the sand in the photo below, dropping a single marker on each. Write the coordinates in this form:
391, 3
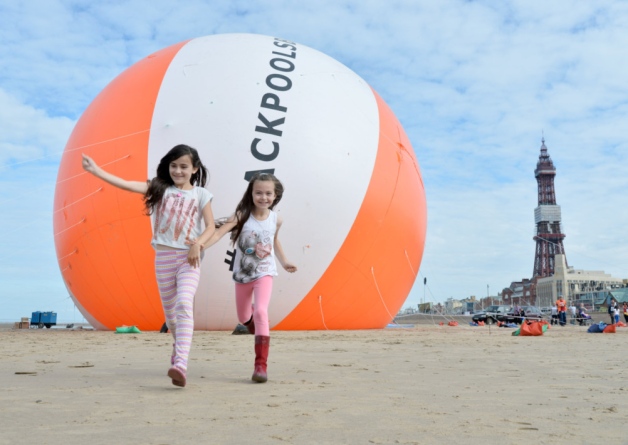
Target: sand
427, 384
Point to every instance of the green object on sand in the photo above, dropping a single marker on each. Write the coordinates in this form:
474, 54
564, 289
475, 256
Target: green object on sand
128, 330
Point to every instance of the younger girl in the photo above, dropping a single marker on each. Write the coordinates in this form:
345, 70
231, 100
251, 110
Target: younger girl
177, 202
254, 232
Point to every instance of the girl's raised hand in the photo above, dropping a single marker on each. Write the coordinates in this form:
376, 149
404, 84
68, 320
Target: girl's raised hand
132, 186
89, 164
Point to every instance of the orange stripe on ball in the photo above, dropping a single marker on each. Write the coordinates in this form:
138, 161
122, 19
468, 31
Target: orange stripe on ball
112, 272
369, 279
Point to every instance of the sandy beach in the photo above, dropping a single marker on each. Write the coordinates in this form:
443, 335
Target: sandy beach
405, 385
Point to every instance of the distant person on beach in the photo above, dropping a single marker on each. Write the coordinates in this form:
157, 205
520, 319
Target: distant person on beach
582, 314
616, 313
179, 185
612, 306
625, 312
572, 312
554, 319
561, 308
254, 231
516, 312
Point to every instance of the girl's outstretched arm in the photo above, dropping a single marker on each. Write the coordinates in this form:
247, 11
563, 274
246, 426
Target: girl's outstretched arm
132, 186
213, 238
279, 253
194, 255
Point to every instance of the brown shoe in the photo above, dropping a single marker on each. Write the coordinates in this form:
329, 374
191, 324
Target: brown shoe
177, 376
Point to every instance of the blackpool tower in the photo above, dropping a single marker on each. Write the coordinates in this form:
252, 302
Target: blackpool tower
549, 239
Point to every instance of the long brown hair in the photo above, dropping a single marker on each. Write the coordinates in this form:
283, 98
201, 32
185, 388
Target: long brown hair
158, 185
246, 204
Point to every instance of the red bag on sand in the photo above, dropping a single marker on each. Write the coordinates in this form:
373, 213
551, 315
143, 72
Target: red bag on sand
453, 323
442, 323
480, 323
610, 329
621, 324
531, 329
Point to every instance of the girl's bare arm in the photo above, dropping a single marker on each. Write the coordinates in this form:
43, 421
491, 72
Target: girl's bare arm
132, 186
221, 231
279, 253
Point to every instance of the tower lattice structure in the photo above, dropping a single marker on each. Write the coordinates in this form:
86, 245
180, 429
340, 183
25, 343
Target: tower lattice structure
549, 236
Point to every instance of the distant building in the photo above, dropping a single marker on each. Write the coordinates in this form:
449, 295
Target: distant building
572, 283
453, 306
600, 300
425, 308
521, 293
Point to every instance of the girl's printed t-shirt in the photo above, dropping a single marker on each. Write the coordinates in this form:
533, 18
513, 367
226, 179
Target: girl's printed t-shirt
255, 254
179, 216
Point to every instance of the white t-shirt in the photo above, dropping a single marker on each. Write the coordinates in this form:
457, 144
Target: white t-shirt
255, 250
179, 216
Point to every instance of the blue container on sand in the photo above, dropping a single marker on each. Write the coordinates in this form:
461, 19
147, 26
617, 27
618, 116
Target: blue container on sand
42, 319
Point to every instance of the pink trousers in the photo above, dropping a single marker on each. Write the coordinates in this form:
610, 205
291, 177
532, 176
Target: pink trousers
254, 298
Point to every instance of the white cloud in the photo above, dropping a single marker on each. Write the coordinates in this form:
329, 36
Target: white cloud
29, 134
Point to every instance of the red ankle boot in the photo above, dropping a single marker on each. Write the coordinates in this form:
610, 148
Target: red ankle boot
262, 343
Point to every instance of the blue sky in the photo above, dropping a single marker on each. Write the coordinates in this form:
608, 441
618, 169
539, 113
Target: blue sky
476, 84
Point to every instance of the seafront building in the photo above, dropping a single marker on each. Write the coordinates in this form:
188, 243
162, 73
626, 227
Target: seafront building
575, 285
594, 300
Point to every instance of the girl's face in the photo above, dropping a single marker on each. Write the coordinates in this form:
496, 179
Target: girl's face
181, 171
263, 194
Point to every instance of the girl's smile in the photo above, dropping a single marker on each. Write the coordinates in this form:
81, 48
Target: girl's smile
181, 171
263, 194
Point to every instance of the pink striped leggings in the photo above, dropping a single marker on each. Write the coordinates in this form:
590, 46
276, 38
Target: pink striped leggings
261, 290
177, 282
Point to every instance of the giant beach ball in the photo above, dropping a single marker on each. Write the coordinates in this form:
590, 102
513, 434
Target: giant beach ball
354, 205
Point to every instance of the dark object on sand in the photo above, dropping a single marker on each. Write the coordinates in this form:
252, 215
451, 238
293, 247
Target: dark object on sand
241, 330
